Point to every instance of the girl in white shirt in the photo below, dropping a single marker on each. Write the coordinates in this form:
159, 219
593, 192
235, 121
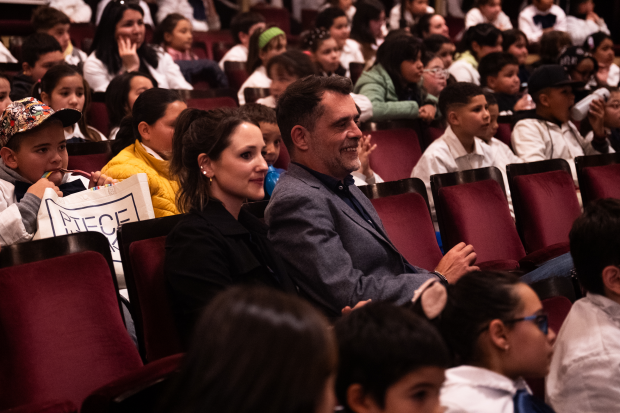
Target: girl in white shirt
602, 48
264, 44
583, 22
498, 332
488, 11
119, 47
478, 41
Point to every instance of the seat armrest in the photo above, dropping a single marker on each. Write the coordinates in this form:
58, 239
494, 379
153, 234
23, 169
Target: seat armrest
537, 258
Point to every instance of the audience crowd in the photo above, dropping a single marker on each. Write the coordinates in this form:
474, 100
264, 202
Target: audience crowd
314, 306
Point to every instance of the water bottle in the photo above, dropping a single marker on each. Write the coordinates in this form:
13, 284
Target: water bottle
581, 108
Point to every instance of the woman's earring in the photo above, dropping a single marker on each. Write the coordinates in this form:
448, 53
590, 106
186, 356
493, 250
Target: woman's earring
204, 172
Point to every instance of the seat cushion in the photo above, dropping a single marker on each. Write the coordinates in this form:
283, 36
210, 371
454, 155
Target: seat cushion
604, 181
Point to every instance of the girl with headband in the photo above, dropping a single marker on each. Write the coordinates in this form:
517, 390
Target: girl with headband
264, 44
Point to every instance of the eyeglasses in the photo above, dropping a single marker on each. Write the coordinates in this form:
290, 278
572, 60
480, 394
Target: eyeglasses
541, 321
437, 72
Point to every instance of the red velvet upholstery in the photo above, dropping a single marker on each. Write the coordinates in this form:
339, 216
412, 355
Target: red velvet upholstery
212, 103
79, 32
356, 69
477, 213
604, 181
504, 131
548, 205
236, 74
97, 117
455, 26
397, 152
275, 15
213, 37
308, 17
89, 163
284, 159
62, 332
557, 308
159, 329
52, 406
219, 49
408, 223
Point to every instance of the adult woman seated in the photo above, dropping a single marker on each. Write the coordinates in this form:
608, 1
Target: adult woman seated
218, 163
119, 47
144, 145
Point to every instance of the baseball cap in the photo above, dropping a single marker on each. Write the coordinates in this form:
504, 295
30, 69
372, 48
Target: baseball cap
550, 76
26, 114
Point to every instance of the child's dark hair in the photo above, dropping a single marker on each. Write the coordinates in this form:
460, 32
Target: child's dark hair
457, 94
485, 34
116, 96
392, 53
491, 99
293, 63
551, 45
427, 57
474, 301
595, 242
36, 45
45, 18
167, 25
49, 82
254, 60
479, 3
493, 63
381, 343
259, 113
423, 26
313, 39
243, 22
510, 37
434, 42
325, 19
150, 106
367, 10
593, 41
105, 45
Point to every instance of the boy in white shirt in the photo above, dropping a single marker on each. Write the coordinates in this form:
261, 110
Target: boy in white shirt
548, 133
57, 24
540, 17
242, 26
584, 369
488, 11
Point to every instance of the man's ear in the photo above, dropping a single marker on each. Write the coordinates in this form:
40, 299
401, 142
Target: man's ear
358, 400
300, 136
498, 335
206, 165
492, 82
611, 279
9, 158
27, 69
145, 131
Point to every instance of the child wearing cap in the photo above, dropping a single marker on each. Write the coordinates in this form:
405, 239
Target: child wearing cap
264, 44
548, 132
32, 142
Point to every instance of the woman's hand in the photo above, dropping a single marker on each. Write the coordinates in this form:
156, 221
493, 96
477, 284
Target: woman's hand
129, 54
365, 148
99, 179
427, 113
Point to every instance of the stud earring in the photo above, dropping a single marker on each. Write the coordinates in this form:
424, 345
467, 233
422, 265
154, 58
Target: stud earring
204, 172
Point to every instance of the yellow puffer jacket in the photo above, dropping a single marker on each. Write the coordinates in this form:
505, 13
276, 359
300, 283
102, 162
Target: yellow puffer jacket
135, 159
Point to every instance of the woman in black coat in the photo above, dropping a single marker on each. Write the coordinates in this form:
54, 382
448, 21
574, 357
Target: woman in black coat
218, 163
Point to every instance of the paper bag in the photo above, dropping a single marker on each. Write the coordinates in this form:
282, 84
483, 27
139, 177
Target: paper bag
102, 210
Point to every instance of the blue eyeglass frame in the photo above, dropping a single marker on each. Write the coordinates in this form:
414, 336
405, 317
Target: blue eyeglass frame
541, 321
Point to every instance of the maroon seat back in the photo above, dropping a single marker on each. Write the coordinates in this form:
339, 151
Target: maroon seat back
236, 73
603, 181
62, 332
212, 103
455, 26
252, 94
277, 16
477, 213
397, 152
52, 406
81, 31
159, 329
504, 131
97, 116
213, 37
219, 49
89, 156
548, 205
355, 70
284, 159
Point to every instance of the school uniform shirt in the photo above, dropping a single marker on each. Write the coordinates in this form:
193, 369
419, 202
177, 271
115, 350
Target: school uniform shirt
583, 376
258, 78
148, 19
74, 56
475, 17
269, 101
532, 21
580, 29
182, 7
535, 139
167, 74
465, 68
239, 53
77, 10
5, 55
360, 179
395, 17
77, 136
470, 389
350, 53
447, 154
613, 78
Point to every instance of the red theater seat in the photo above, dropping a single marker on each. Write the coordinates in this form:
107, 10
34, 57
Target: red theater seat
397, 152
89, 156
284, 159
211, 103
599, 176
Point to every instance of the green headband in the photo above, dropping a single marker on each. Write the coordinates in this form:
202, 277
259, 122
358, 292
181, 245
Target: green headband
267, 35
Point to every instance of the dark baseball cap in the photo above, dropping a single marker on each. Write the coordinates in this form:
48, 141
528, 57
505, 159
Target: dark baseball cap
550, 76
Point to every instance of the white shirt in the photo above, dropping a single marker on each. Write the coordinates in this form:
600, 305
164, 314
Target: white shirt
586, 359
77, 10
534, 31
74, 60
537, 140
168, 74
475, 17
613, 77
257, 79
148, 19
454, 8
77, 133
580, 29
113, 133
269, 101
395, 17
470, 389
5, 55
182, 7
463, 71
351, 52
447, 154
360, 179
239, 53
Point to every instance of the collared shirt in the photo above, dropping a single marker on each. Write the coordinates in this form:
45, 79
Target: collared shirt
534, 31
584, 370
478, 390
474, 17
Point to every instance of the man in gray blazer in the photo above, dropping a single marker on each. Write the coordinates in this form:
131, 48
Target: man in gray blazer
335, 246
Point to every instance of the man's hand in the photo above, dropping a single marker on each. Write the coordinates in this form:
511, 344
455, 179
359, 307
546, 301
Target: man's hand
427, 113
129, 54
99, 179
39, 187
457, 262
348, 310
365, 148
596, 116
